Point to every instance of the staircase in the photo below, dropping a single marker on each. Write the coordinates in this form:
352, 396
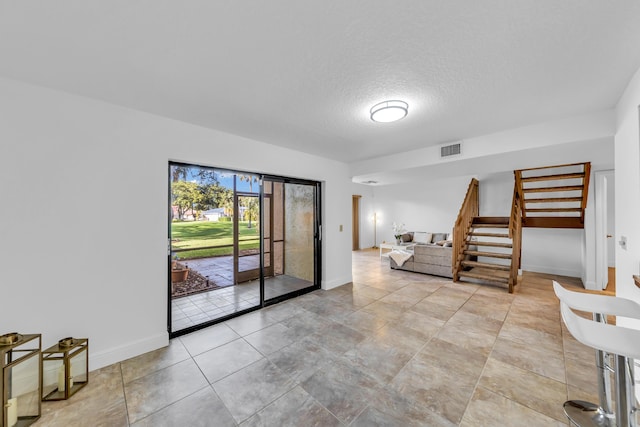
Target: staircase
488, 249
554, 196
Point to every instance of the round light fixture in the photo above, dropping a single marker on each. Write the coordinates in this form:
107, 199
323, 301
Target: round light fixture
389, 111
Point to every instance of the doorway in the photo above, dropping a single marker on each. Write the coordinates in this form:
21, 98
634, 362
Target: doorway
355, 222
605, 229
237, 241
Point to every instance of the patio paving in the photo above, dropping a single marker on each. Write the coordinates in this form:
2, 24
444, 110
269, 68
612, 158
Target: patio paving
220, 269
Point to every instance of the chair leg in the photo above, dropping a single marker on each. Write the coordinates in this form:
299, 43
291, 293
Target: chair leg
586, 414
625, 396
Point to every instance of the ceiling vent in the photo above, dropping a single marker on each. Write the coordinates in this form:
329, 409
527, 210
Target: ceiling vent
370, 182
450, 150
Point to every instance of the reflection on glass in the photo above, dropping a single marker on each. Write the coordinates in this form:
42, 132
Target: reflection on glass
210, 257
249, 237
291, 239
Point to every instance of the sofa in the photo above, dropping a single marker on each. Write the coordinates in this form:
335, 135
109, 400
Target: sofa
432, 254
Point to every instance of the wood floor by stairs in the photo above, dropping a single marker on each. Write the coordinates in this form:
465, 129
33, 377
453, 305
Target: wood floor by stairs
490, 250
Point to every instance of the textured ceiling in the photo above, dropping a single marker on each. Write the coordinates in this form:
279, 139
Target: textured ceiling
303, 74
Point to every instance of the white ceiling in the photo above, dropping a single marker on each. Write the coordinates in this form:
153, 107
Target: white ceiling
303, 74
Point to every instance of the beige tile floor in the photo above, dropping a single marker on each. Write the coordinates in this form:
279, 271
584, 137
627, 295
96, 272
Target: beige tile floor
394, 348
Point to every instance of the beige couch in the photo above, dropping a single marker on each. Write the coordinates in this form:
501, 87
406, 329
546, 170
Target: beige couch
428, 259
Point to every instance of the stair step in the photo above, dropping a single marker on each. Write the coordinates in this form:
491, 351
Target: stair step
552, 222
485, 277
487, 254
486, 265
553, 210
553, 167
554, 177
494, 244
501, 235
474, 225
554, 200
491, 220
553, 189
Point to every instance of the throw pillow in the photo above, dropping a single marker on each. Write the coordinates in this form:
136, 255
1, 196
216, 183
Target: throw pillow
439, 236
421, 237
406, 237
441, 242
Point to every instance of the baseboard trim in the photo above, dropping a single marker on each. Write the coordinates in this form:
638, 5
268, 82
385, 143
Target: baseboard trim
330, 284
552, 270
127, 351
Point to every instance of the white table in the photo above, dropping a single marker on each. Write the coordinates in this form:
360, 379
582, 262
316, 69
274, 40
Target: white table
393, 246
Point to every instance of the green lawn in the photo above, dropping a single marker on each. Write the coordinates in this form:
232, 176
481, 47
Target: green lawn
187, 235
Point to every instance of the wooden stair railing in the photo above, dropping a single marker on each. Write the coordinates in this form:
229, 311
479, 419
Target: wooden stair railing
468, 211
486, 237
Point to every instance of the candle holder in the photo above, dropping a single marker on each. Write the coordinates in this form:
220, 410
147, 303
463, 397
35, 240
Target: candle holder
21, 379
65, 368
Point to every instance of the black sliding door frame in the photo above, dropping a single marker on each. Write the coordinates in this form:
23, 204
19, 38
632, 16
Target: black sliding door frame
262, 302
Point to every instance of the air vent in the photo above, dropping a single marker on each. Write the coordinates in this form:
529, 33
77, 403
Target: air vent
370, 182
450, 150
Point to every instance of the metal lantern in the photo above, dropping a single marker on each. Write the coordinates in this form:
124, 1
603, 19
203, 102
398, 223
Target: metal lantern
21, 378
65, 368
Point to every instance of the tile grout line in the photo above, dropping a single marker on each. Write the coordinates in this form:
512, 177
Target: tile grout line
475, 387
124, 394
210, 385
501, 394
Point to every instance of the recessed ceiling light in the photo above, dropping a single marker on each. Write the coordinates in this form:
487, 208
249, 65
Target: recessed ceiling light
389, 111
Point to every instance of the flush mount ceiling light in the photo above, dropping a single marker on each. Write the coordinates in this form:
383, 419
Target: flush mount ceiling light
389, 111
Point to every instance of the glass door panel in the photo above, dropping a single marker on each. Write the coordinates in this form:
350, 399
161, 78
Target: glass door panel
293, 224
206, 237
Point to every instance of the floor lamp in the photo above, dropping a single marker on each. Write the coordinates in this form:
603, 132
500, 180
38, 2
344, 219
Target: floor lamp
375, 229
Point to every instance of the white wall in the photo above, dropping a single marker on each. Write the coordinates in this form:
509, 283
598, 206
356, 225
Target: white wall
430, 206
366, 213
552, 250
627, 192
84, 215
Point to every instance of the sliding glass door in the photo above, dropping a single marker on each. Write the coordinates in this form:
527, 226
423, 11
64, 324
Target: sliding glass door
237, 241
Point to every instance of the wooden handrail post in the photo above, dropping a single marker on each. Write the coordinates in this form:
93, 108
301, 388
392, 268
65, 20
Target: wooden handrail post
515, 228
